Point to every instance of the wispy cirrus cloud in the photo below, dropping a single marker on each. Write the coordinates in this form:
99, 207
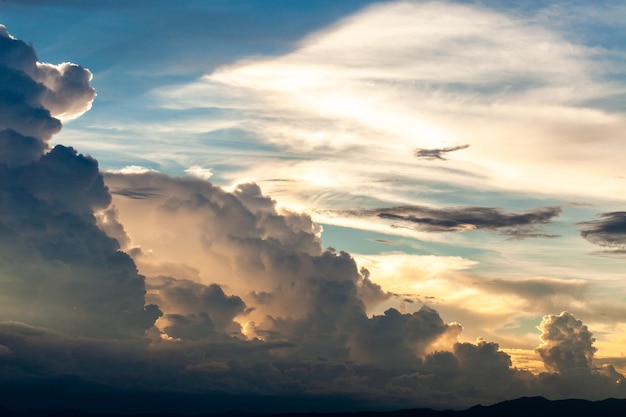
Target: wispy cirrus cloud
504, 86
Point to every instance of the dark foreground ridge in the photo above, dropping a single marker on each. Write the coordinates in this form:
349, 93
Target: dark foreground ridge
525, 406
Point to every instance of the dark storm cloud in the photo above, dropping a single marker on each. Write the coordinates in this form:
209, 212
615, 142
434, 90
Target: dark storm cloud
58, 269
432, 154
400, 340
196, 305
428, 219
609, 232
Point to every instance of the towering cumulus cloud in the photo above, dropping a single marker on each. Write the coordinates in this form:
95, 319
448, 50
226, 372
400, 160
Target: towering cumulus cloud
58, 269
237, 303
567, 351
567, 344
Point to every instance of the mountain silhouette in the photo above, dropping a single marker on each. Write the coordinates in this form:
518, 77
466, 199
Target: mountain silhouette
525, 406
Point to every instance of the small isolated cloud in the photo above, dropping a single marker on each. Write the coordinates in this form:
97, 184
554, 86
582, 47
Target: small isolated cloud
459, 219
199, 172
609, 232
432, 154
131, 169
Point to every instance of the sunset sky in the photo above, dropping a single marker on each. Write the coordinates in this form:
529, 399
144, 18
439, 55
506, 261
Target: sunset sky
319, 205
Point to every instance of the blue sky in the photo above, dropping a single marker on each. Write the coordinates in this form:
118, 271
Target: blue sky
467, 156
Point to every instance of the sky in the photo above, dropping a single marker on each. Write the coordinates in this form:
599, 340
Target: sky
311, 206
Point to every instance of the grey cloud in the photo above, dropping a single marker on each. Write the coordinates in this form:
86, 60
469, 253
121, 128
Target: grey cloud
371, 293
479, 371
32, 94
108, 222
58, 269
188, 327
137, 193
68, 90
567, 352
399, 340
16, 149
541, 294
484, 357
436, 153
609, 232
428, 219
191, 304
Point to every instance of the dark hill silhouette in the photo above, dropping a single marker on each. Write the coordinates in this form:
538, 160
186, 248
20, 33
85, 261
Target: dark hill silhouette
525, 406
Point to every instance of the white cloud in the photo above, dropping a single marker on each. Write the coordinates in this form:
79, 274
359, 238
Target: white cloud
197, 171
131, 169
402, 75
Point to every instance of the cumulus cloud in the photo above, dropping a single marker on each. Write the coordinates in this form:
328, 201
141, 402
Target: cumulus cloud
58, 268
63, 91
609, 232
429, 219
567, 352
308, 303
402, 340
192, 306
567, 344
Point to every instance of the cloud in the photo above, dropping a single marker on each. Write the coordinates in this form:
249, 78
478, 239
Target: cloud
541, 294
194, 307
61, 91
58, 268
32, 96
68, 91
567, 344
310, 303
432, 154
567, 352
428, 219
609, 232
261, 311
377, 84
199, 172
401, 340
